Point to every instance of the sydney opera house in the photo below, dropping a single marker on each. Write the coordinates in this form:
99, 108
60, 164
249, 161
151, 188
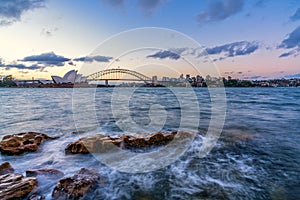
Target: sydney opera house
70, 77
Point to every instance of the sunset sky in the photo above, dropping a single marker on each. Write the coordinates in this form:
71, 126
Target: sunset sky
248, 39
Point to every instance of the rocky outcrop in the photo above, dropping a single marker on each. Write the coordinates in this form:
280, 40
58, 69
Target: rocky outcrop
22, 142
99, 142
14, 186
6, 168
83, 183
44, 172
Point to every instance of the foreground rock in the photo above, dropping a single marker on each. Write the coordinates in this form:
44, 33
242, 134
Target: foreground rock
22, 142
13, 186
99, 142
79, 186
46, 177
6, 168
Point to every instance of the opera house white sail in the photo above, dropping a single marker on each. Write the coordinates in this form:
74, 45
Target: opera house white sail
70, 77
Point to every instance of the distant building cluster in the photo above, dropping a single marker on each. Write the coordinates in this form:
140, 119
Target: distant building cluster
208, 81
73, 77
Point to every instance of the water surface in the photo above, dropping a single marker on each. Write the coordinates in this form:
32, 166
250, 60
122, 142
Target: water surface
256, 157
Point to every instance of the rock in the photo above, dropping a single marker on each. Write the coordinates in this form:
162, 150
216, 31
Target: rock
36, 197
44, 172
22, 142
98, 143
13, 186
6, 168
234, 137
83, 183
46, 177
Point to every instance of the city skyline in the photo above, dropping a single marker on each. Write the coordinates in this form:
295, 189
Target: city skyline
244, 39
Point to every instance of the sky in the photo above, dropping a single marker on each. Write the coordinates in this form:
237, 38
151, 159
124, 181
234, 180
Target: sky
246, 39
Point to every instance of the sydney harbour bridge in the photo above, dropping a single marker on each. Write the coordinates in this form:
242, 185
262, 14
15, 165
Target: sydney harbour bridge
120, 75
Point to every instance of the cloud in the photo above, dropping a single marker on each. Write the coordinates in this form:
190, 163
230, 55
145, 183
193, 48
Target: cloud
255, 77
114, 3
71, 63
234, 49
290, 53
47, 59
227, 50
260, 3
21, 66
12, 10
165, 54
148, 6
295, 16
24, 72
292, 41
94, 58
218, 10
292, 76
48, 32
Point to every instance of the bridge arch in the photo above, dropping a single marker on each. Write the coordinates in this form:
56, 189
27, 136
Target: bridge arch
117, 74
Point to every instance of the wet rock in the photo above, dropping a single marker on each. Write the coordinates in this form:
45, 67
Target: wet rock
46, 177
13, 186
44, 172
6, 168
79, 186
36, 197
22, 142
232, 138
98, 143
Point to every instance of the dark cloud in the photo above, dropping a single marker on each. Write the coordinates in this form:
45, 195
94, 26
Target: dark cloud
291, 42
255, 77
218, 10
46, 59
240, 72
295, 16
71, 63
12, 10
147, 6
287, 54
94, 58
292, 76
165, 54
234, 49
21, 66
